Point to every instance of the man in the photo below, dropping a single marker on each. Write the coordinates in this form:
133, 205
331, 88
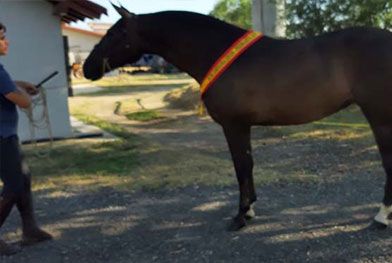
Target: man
14, 172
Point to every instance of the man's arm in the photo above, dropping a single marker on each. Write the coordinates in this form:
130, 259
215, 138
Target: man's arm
27, 87
21, 96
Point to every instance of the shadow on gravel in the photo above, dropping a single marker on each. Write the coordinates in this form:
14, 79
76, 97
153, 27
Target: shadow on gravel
188, 225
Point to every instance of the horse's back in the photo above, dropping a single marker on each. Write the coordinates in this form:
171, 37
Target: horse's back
280, 82
298, 81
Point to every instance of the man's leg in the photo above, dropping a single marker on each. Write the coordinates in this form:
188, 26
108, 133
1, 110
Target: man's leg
7, 201
12, 182
31, 232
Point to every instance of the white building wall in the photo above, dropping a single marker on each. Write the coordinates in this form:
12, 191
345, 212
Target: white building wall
80, 43
36, 50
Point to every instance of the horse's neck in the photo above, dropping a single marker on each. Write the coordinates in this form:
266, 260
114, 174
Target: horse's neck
184, 41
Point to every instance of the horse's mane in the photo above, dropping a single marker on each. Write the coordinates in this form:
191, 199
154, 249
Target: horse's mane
191, 20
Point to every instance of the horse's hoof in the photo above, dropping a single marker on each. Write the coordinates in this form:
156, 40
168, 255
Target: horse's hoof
375, 225
237, 223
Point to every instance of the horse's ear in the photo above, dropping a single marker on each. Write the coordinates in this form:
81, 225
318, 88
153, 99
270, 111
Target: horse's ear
124, 13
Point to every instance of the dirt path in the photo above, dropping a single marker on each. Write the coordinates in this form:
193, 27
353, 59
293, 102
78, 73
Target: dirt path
323, 219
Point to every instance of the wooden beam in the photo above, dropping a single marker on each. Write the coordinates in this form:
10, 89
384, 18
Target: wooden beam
93, 6
61, 8
84, 10
76, 14
76, 9
66, 20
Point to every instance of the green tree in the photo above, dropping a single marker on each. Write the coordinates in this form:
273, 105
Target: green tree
313, 17
237, 12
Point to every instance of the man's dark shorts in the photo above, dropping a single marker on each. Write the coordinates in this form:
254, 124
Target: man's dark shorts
13, 169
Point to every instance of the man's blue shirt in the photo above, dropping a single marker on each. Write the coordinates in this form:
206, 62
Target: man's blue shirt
8, 112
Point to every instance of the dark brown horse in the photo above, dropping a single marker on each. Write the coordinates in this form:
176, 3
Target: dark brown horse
275, 82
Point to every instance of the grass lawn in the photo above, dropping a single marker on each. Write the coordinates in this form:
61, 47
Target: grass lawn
132, 163
146, 115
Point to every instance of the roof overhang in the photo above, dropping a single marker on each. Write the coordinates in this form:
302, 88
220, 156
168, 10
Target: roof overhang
74, 10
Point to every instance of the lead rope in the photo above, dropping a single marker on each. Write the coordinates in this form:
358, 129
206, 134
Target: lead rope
42, 121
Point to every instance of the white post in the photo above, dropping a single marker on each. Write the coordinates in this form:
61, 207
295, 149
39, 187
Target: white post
268, 17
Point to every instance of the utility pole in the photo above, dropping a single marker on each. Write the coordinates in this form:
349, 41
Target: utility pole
268, 17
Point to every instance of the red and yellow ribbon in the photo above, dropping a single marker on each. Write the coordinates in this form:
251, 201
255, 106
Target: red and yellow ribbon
230, 55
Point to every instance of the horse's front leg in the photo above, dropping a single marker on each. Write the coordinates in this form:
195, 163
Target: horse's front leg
383, 135
238, 139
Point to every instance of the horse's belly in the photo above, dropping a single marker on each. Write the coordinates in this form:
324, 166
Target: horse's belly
301, 111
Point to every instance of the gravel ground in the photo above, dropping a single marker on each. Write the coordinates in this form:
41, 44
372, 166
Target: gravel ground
189, 225
322, 220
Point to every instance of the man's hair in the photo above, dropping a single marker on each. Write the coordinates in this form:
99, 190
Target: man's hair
2, 27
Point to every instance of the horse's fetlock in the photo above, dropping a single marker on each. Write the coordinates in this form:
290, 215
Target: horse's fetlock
244, 209
253, 199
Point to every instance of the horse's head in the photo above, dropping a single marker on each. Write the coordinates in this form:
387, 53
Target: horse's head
118, 47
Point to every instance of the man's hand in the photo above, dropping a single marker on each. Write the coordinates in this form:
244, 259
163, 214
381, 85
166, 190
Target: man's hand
28, 87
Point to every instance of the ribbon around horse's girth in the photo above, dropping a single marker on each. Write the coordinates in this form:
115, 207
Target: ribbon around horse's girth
228, 57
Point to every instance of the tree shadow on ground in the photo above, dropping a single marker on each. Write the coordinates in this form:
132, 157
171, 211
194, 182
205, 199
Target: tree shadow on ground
189, 225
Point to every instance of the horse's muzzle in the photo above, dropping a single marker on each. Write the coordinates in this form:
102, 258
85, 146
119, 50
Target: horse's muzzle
92, 70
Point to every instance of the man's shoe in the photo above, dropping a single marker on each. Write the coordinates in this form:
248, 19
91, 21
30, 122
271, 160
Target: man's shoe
35, 235
8, 249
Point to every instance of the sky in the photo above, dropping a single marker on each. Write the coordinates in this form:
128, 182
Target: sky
149, 6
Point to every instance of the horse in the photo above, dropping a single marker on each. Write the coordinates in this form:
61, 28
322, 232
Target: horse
77, 70
273, 82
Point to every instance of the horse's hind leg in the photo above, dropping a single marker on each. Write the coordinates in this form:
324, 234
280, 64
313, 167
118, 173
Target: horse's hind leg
253, 197
382, 130
238, 139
